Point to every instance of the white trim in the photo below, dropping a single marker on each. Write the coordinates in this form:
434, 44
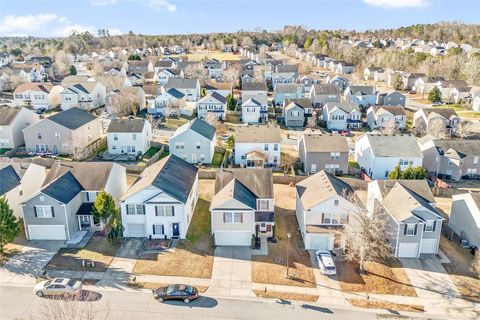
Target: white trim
421, 239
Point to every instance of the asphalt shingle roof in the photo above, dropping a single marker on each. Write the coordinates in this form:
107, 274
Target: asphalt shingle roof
127, 125
64, 188
9, 179
7, 115
72, 118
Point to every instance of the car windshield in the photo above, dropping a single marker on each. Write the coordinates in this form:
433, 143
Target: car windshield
48, 283
189, 289
71, 282
330, 268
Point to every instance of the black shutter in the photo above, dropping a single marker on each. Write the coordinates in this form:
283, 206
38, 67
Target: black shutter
53, 213
405, 230
163, 230
127, 207
434, 225
415, 233
143, 209
35, 211
156, 211
173, 211
88, 197
153, 226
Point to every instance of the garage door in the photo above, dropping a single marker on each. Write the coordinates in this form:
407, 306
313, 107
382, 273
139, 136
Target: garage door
429, 246
319, 242
136, 230
42, 232
407, 250
233, 238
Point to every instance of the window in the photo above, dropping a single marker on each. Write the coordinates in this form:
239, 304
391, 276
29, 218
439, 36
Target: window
57, 135
198, 145
410, 229
334, 155
403, 162
158, 229
91, 196
42, 198
179, 145
430, 225
39, 135
475, 159
135, 209
275, 147
327, 218
164, 211
262, 205
335, 203
232, 217
43, 212
134, 137
115, 137
265, 147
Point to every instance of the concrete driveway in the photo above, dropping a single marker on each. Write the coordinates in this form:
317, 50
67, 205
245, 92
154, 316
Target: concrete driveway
232, 272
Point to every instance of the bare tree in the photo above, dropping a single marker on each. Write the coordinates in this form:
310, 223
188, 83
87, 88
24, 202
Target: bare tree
464, 129
123, 103
390, 127
366, 233
174, 107
63, 62
211, 119
312, 121
475, 267
437, 128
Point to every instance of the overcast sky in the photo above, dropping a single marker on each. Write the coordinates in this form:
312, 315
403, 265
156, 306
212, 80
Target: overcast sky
61, 17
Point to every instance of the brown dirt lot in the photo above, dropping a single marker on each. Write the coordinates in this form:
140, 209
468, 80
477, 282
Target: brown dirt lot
192, 257
271, 269
379, 278
286, 296
459, 269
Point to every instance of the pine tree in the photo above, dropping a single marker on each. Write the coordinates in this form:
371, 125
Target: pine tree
395, 174
435, 95
104, 208
9, 228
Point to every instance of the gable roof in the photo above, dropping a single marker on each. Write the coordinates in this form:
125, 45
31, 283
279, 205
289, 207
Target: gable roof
287, 87
127, 125
320, 187
302, 102
181, 83
344, 106
457, 148
322, 89
175, 93
7, 115
64, 188
395, 110
215, 95
257, 134
254, 86
258, 181
420, 187
447, 113
92, 176
199, 126
286, 68
315, 142
36, 86
72, 118
362, 90
9, 179
404, 145
171, 174
234, 190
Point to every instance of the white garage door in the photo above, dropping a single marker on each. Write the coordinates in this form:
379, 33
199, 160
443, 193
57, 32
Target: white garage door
429, 246
407, 250
136, 230
233, 238
42, 232
319, 242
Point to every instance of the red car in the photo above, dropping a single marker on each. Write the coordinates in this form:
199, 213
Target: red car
345, 133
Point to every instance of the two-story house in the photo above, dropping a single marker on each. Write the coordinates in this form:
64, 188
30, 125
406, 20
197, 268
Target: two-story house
293, 112
194, 142
287, 91
165, 99
86, 95
254, 111
436, 119
63, 205
129, 136
33, 95
379, 117
342, 116
213, 103
160, 204
164, 74
323, 152
242, 206
12, 122
320, 94
256, 91
465, 217
361, 96
393, 98
257, 146
189, 87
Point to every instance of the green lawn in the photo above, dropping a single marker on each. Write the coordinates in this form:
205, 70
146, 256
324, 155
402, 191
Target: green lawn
469, 114
217, 159
353, 164
150, 152
4, 150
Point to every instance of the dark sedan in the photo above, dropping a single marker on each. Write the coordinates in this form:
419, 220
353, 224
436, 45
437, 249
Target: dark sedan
176, 292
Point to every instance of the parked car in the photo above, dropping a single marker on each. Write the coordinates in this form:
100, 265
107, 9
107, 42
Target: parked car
345, 133
325, 262
438, 103
58, 286
176, 292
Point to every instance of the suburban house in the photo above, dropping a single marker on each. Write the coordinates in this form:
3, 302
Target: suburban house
465, 217
415, 224
408, 79
86, 95
344, 67
164, 64
67, 132
129, 136
425, 84
451, 159
160, 204
342, 116
459, 94
162, 104
284, 73
12, 123
63, 205
140, 66
223, 89
18, 181
121, 101
323, 152
436, 119
287, 91
293, 112
447, 86
213, 103
242, 206
361, 96
257, 146
322, 206
34, 95
340, 82
189, 87
368, 73
256, 91
379, 154
194, 142
164, 74
393, 98
254, 111
321, 94
379, 117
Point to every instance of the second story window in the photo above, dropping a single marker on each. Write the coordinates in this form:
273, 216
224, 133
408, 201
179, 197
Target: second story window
275, 147
265, 147
39, 135
57, 135
198, 145
334, 155
410, 229
475, 159
115, 137
134, 137
430, 225
135, 209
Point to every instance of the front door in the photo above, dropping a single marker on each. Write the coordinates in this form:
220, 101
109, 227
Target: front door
194, 157
55, 149
175, 230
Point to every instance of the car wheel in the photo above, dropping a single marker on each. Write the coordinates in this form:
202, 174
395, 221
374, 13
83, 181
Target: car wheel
186, 300
39, 294
160, 299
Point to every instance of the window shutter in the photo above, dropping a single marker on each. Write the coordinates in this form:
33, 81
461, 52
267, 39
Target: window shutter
143, 209
224, 217
128, 209
405, 230
415, 232
153, 226
88, 197
434, 225
35, 211
156, 210
53, 213
424, 226
323, 217
173, 211
241, 217
163, 229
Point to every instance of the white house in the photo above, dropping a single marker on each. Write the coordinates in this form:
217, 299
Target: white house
129, 136
161, 202
12, 122
190, 87
379, 154
342, 116
257, 146
164, 74
382, 116
164, 100
86, 95
256, 91
214, 103
254, 112
361, 95
33, 94
465, 217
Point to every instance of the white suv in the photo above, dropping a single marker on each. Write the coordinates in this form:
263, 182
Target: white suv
325, 262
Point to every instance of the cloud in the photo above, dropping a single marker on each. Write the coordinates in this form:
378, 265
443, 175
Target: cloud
102, 2
26, 23
115, 32
66, 30
397, 3
162, 4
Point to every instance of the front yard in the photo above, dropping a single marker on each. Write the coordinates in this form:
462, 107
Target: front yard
459, 269
379, 278
271, 269
192, 257
98, 250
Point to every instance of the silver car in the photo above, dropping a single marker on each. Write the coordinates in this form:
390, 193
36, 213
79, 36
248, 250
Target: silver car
325, 262
57, 286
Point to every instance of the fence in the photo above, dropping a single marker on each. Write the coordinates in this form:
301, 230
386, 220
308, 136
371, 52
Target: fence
45, 162
446, 193
287, 179
136, 168
91, 149
207, 174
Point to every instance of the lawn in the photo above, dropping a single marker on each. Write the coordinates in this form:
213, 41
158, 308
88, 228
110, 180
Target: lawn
379, 278
375, 304
459, 269
469, 114
150, 152
174, 123
231, 118
154, 285
271, 269
192, 257
286, 296
217, 159
98, 249
4, 150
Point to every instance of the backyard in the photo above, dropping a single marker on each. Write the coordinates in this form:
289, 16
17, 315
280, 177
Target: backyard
271, 269
192, 257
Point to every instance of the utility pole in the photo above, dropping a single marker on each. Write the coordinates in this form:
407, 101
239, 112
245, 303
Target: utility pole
288, 252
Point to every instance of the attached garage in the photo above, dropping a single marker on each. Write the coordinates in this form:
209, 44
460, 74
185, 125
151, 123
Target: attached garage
407, 250
135, 230
319, 241
429, 246
233, 238
47, 232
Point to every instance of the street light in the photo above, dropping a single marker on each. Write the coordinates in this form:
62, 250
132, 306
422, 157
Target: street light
288, 252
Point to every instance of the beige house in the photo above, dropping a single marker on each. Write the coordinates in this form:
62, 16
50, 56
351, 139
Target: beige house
67, 132
12, 122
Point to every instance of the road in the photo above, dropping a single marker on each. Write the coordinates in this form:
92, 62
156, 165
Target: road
20, 303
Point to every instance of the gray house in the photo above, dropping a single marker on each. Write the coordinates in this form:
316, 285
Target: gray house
293, 113
324, 93
451, 159
63, 206
287, 91
194, 142
393, 98
323, 152
465, 217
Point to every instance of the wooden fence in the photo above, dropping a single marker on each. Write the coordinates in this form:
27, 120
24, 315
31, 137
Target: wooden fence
91, 149
136, 168
446, 193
